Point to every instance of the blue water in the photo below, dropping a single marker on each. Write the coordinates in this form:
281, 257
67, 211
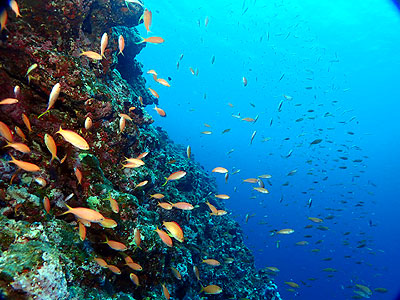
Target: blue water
347, 51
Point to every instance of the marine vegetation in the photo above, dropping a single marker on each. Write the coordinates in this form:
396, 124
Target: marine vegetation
95, 201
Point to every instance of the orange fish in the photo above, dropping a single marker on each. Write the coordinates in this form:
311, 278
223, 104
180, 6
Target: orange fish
55, 92
164, 237
176, 273
134, 163
5, 132
78, 175
165, 292
183, 205
85, 213
51, 146
113, 203
74, 138
101, 262
137, 237
163, 82
14, 6
154, 93
160, 111
152, 40
140, 184
19, 147
222, 196
114, 269
20, 133
244, 79
142, 155
134, 278
8, 101
122, 123
211, 290
121, 45
165, 205
175, 230
147, 19
211, 262
153, 72
219, 212
131, 264
175, 176
108, 223
157, 196
118, 246
3, 19
88, 123
103, 44
26, 166
26, 121
125, 116
206, 132
82, 231
46, 204
92, 55
41, 181
261, 190
17, 91
212, 207
220, 170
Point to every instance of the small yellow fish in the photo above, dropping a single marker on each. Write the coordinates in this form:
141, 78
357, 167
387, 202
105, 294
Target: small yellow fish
55, 92
8, 101
220, 170
19, 147
51, 146
26, 166
74, 139
26, 121
92, 55
103, 44
175, 176
85, 213
5, 132
121, 45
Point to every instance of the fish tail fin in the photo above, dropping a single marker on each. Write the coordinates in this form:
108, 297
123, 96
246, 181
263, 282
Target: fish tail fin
12, 158
43, 113
68, 211
142, 41
202, 288
166, 180
59, 130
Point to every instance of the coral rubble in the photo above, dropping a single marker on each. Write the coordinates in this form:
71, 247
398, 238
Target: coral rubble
43, 256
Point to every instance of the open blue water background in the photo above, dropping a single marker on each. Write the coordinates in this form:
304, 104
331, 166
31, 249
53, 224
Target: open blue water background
345, 51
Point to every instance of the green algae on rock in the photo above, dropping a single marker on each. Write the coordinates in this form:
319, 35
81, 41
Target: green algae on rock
42, 256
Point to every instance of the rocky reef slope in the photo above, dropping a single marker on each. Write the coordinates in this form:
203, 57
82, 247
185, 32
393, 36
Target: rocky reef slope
49, 255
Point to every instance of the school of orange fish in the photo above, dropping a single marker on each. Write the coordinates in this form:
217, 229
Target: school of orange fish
86, 216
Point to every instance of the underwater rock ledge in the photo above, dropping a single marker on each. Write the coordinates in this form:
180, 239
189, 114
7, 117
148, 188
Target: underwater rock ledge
46, 254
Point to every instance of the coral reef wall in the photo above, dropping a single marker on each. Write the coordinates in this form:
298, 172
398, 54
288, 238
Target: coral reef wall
46, 254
